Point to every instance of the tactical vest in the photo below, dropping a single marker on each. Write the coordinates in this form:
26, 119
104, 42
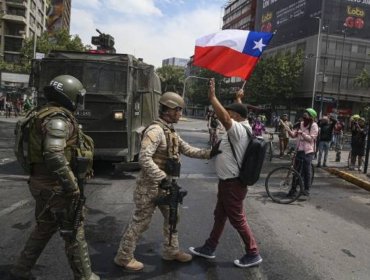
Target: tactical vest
29, 138
172, 141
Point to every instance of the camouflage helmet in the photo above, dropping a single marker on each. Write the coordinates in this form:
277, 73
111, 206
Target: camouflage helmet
65, 90
172, 100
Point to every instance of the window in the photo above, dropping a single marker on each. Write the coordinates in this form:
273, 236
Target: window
337, 63
360, 65
361, 49
354, 48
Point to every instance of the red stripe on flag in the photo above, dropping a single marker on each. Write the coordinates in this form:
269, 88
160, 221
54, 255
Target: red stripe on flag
225, 61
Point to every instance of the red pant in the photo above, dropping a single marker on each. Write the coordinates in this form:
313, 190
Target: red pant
230, 198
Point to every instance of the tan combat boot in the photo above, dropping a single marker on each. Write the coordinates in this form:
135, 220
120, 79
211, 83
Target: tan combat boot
179, 256
132, 265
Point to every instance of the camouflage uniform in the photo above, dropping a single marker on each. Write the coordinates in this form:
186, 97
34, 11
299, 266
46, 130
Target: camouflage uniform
54, 141
153, 155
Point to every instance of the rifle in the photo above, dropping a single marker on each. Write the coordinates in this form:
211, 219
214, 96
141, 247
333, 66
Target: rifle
174, 194
80, 169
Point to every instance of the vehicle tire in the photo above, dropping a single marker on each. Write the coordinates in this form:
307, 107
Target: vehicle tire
279, 184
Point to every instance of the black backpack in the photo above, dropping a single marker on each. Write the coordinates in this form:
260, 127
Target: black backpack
250, 170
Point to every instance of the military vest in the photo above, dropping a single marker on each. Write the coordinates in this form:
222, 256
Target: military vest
172, 140
29, 138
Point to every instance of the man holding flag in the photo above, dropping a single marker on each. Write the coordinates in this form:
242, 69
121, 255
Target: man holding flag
231, 53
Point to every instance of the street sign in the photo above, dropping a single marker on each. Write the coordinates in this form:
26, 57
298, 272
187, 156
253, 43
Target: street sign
326, 99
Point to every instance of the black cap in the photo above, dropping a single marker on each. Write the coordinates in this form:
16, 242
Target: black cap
239, 108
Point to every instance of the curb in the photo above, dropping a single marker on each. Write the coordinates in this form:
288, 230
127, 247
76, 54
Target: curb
350, 178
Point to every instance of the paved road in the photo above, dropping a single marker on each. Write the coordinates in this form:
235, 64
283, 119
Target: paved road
325, 237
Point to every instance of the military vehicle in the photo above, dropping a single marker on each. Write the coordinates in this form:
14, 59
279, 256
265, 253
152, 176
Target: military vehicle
121, 100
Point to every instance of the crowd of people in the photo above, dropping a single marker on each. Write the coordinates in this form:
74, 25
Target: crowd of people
15, 108
56, 139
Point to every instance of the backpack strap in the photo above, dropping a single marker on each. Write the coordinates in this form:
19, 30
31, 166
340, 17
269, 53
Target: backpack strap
232, 147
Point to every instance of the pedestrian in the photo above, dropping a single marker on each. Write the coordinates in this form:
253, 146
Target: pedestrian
160, 147
213, 127
8, 109
326, 127
338, 132
55, 139
258, 127
231, 192
283, 133
306, 146
358, 142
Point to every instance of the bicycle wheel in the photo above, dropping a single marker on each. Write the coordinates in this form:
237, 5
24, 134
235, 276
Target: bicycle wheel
284, 185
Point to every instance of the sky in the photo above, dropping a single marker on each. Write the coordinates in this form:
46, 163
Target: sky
150, 29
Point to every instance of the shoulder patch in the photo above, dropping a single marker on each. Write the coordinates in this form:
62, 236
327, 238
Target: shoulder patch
154, 133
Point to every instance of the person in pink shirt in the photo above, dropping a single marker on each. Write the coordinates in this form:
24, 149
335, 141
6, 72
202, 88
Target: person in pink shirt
306, 145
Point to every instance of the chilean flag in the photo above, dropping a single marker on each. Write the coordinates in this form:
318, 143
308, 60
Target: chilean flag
231, 52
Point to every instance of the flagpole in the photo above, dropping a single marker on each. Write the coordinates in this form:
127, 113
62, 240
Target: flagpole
244, 84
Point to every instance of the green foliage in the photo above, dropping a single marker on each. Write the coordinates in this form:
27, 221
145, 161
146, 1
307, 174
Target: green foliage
172, 78
197, 89
275, 79
60, 40
363, 79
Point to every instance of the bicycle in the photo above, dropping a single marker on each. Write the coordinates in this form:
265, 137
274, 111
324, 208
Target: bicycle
281, 181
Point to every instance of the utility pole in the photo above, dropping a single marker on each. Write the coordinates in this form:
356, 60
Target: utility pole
323, 71
316, 60
341, 65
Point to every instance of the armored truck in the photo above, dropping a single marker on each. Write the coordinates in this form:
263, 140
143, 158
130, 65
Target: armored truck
121, 99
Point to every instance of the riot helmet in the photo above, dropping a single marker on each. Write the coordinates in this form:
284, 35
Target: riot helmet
172, 100
65, 90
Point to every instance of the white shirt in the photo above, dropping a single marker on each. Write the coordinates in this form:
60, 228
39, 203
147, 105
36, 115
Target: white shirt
226, 166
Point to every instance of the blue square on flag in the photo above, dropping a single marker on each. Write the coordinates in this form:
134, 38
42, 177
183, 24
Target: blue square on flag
256, 42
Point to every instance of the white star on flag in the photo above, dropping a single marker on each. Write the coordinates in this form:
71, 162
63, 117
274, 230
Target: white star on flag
259, 45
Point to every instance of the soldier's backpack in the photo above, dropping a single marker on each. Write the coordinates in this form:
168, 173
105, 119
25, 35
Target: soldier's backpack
250, 169
21, 132
84, 148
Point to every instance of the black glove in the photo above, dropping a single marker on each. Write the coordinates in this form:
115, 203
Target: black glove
215, 151
165, 184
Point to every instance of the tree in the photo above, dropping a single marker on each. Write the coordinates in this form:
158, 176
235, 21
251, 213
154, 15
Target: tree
276, 79
363, 79
172, 78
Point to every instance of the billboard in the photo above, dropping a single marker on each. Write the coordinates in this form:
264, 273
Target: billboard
55, 16
296, 19
350, 15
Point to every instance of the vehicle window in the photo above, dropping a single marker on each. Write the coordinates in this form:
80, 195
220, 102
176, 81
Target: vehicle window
106, 80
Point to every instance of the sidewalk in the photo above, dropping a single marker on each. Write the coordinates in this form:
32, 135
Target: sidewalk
340, 169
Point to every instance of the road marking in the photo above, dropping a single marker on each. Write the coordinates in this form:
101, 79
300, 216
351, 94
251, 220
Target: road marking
13, 207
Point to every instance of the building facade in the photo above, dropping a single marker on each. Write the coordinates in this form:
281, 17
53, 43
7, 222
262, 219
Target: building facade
175, 61
59, 15
239, 14
20, 19
335, 38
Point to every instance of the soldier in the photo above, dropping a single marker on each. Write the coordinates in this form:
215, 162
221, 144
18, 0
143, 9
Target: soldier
159, 144
55, 141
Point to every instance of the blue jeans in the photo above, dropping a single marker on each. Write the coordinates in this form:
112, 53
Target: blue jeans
323, 147
303, 166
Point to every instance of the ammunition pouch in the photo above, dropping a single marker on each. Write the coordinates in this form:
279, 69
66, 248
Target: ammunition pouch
173, 167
